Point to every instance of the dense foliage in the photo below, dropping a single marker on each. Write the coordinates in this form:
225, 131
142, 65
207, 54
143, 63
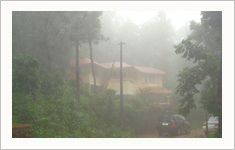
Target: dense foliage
52, 110
42, 96
25, 73
212, 135
204, 47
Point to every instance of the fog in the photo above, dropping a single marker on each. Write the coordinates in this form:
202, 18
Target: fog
154, 41
149, 43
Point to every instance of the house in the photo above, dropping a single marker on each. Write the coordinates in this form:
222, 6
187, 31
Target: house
85, 72
134, 77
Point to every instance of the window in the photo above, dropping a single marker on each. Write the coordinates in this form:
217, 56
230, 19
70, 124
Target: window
176, 117
182, 118
151, 78
154, 78
146, 78
166, 118
213, 119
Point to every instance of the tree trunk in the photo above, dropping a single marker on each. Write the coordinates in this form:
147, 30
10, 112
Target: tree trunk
46, 46
92, 66
77, 72
220, 98
206, 125
121, 85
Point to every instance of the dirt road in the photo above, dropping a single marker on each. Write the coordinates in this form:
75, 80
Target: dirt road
193, 134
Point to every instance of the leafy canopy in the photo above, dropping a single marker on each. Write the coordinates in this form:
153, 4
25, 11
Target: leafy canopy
204, 47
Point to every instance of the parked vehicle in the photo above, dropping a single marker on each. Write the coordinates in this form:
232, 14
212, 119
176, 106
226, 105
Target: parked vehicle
213, 124
173, 124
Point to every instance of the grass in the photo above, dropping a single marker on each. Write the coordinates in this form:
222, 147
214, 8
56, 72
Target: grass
196, 125
212, 135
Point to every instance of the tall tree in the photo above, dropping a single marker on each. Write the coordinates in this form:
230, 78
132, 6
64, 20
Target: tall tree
204, 47
77, 35
42, 34
93, 34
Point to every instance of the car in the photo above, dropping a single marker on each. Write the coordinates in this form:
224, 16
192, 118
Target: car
213, 124
173, 124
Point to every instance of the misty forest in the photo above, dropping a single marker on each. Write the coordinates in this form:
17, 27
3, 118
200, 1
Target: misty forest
91, 74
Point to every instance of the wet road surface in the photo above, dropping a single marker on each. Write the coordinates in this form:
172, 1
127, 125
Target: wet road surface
194, 133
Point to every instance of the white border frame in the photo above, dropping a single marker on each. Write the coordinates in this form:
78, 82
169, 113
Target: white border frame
108, 143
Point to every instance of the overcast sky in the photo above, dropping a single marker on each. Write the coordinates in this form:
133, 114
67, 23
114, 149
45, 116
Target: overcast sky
178, 18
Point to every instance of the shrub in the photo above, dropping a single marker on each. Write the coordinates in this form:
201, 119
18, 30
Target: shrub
104, 107
25, 73
212, 135
141, 115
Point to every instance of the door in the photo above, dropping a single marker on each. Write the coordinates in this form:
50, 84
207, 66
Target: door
184, 123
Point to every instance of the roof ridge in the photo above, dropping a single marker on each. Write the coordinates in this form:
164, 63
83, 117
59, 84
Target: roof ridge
116, 63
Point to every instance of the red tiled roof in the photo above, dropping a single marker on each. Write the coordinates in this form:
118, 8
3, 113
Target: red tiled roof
82, 61
149, 70
159, 90
116, 65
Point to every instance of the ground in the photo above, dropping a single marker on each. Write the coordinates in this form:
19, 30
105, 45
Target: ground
194, 133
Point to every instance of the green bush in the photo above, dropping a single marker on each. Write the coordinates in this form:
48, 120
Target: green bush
82, 87
212, 135
195, 124
51, 85
52, 110
104, 107
141, 115
58, 114
25, 70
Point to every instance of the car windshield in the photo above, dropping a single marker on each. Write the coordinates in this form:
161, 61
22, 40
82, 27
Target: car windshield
213, 119
166, 118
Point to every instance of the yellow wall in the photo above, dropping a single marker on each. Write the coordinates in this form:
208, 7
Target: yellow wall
141, 83
87, 75
131, 84
101, 76
159, 80
152, 84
